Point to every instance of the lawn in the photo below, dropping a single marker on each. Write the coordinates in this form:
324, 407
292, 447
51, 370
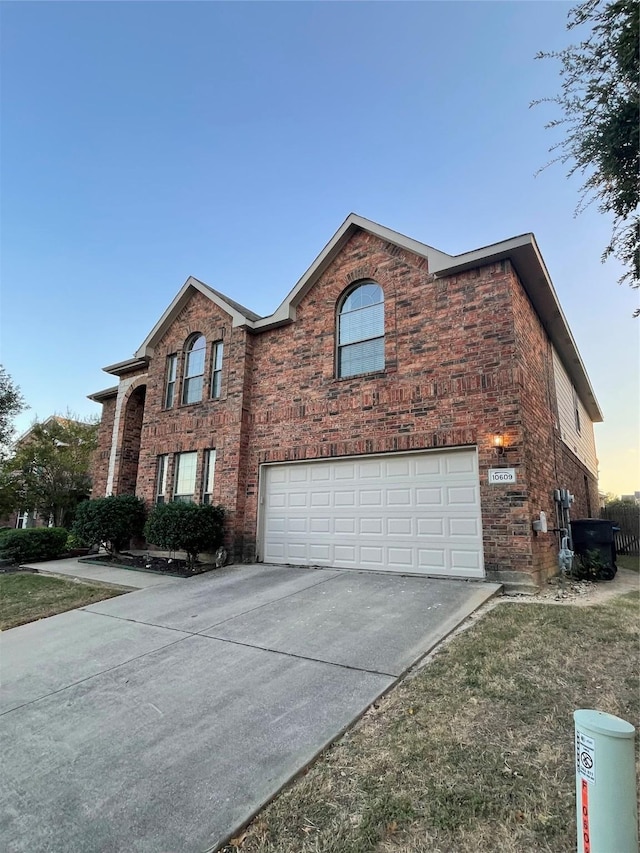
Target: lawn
475, 751
626, 561
25, 597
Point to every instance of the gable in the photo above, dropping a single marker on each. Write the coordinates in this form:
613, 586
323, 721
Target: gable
522, 251
240, 316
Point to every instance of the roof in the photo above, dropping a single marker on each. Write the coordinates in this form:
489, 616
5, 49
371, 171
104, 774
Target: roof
522, 251
51, 419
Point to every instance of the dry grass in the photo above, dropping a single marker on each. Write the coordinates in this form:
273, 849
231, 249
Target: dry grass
25, 597
474, 752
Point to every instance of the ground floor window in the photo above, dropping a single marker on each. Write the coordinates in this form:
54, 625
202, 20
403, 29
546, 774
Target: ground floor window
208, 476
161, 478
185, 476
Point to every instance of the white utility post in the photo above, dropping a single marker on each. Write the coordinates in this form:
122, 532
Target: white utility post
606, 805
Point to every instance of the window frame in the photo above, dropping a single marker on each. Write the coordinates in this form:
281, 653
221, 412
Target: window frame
189, 380
208, 475
184, 497
576, 411
162, 474
217, 355
170, 380
342, 347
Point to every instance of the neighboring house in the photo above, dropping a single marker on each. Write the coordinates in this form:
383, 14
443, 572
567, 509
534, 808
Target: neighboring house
24, 518
359, 425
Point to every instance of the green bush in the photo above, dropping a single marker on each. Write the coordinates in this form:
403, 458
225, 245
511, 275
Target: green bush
34, 543
109, 522
186, 527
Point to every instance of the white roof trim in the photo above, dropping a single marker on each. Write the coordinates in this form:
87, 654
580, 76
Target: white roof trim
522, 251
183, 296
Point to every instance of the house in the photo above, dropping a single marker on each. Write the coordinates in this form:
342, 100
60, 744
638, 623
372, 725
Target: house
39, 467
402, 410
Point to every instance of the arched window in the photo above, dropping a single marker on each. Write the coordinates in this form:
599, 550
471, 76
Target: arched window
194, 369
361, 330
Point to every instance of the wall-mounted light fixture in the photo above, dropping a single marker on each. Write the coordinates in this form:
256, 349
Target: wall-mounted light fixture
498, 442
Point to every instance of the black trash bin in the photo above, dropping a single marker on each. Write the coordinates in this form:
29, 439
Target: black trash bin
594, 546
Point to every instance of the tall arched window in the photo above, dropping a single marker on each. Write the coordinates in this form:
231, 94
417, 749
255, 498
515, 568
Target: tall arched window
194, 369
361, 330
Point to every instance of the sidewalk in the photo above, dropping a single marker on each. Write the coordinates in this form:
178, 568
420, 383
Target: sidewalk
73, 568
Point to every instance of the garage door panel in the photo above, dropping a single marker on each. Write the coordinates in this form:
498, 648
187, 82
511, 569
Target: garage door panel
319, 553
319, 525
415, 512
369, 470
429, 497
430, 526
374, 526
461, 495
464, 526
432, 558
464, 559
297, 499
399, 497
371, 556
400, 526
345, 553
459, 463
345, 525
429, 465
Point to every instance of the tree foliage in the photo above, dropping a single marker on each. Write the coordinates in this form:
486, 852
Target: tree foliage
11, 404
50, 468
599, 100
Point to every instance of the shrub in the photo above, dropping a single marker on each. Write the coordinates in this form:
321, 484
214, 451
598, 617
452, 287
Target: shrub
109, 522
186, 527
34, 543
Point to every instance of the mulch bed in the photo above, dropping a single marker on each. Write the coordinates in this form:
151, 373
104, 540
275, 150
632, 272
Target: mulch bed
142, 562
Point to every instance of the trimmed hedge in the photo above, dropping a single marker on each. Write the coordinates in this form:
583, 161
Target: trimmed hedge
110, 522
33, 543
186, 527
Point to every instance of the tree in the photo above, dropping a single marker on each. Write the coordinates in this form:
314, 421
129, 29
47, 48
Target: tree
599, 99
51, 467
11, 404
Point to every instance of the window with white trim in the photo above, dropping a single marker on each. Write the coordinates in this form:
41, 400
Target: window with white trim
361, 331
170, 380
184, 483
576, 410
216, 369
161, 478
208, 476
194, 369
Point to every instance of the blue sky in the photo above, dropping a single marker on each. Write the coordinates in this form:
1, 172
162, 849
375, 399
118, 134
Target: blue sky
146, 142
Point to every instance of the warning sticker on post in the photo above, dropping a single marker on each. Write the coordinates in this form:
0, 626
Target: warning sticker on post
585, 757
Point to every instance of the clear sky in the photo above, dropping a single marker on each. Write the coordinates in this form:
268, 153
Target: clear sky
146, 142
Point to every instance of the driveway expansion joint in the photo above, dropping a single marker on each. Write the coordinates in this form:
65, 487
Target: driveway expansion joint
350, 667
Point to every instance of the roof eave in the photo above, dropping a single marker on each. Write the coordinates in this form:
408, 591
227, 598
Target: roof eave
523, 252
105, 394
121, 368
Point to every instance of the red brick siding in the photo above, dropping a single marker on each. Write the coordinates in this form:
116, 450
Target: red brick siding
550, 464
451, 379
465, 357
199, 426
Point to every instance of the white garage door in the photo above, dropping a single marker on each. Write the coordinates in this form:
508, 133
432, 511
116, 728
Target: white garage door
415, 512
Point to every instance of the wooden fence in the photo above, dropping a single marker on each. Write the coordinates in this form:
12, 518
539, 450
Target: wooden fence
627, 518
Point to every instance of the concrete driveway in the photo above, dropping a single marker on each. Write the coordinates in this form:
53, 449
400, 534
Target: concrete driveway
162, 720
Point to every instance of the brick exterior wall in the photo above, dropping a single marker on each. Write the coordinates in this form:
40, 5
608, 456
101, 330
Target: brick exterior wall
465, 357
